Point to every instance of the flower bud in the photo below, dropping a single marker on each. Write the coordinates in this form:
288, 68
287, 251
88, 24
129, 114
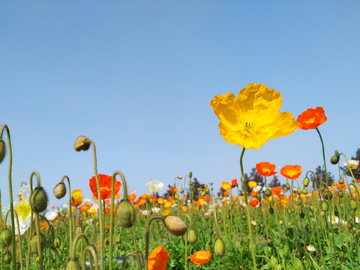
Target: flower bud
192, 237
335, 159
125, 214
341, 181
304, 191
190, 175
81, 143
287, 186
353, 204
38, 200
78, 230
324, 206
5, 238
299, 190
306, 182
57, 242
60, 190
33, 243
175, 224
2, 150
219, 247
7, 257
267, 193
73, 264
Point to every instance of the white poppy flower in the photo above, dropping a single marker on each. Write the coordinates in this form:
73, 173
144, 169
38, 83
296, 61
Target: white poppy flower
155, 209
51, 215
154, 186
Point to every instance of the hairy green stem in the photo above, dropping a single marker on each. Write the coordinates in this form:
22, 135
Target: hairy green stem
147, 241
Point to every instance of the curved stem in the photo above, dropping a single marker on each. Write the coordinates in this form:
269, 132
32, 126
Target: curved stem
32, 219
37, 227
93, 236
148, 238
13, 265
77, 238
112, 210
71, 232
248, 211
92, 251
136, 256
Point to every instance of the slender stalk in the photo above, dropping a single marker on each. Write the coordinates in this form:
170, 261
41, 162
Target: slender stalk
136, 256
37, 227
19, 240
93, 253
248, 211
147, 241
13, 265
32, 219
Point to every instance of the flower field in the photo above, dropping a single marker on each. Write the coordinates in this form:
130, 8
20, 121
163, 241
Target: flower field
309, 223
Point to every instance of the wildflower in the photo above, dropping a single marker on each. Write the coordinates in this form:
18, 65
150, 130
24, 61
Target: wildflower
141, 201
310, 248
252, 118
257, 188
291, 172
252, 184
254, 202
311, 118
105, 186
145, 212
277, 190
155, 209
266, 168
158, 258
226, 185
160, 201
132, 197
201, 257
352, 164
234, 183
76, 198
51, 215
84, 208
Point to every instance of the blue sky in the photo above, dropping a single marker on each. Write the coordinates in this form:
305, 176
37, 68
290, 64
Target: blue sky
137, 77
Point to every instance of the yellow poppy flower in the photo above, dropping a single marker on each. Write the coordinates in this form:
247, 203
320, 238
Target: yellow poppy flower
226, 185
252, 118
252, 184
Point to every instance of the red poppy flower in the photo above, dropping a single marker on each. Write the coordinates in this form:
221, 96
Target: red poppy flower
233, 183
254, 202
291, 172
266, 168
277, 190
105, 186
311, 118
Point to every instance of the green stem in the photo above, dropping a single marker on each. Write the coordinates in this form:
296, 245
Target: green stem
13, 265
37, 227
147, 241
76, 240
92, 251
71, 233
136, 256
32, 219
248, 211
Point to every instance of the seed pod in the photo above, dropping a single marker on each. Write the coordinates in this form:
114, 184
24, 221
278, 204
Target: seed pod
287, 186
7, 257
81, 143
2, 150
344, 248
271, 210
219, 247
353, 204
73, 264
33, 243
125, 214
304, 191
306, 182
175, 224
334, 159
38, 200
341, 181
192, 237
299, 190
60, 190
328, 195
267, 192
5, 238
324, 206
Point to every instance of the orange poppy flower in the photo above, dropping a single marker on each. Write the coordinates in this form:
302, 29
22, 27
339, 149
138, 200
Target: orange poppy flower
105, 186
84, 208
253, 193
132, 197
234, 183
226, 185
277, 190
201, 257
141, 201
45, 225
158, 258
167, 204
76, 198
226, 193
184, 197
266, 168
208, 199
160, 200
291, 172
311, 118
254, 202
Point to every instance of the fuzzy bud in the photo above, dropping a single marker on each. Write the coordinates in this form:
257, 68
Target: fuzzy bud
33, 243
7, 257
192, 237
335, 159
219, 247
81, 143
2, 150
175, 224
73, 264
125, 214
306, 182
5, 238
190, 174
60, 190
38, 200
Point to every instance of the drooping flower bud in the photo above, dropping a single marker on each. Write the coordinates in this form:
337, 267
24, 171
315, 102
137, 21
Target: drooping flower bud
5, 238
2, 150
81, 143
73, 264
192, 237
267, 192
38, 200
78, 230
175, 224
306, 182
190, 174
125, 214
335, 159
33, 243
7, 257
219, 247
57, 242
60, 190
287, 186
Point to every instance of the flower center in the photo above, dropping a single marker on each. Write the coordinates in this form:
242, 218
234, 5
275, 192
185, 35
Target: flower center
248, 129
23, 209
311, 120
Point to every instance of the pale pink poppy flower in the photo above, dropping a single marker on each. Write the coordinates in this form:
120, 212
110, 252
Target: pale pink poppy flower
207, 214
352, 163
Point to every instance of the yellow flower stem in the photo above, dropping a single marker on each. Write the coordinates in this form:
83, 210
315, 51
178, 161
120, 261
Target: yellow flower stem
112, 211
13, 264
248, 211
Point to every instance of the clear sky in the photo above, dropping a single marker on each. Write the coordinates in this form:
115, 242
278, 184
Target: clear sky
137, 77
